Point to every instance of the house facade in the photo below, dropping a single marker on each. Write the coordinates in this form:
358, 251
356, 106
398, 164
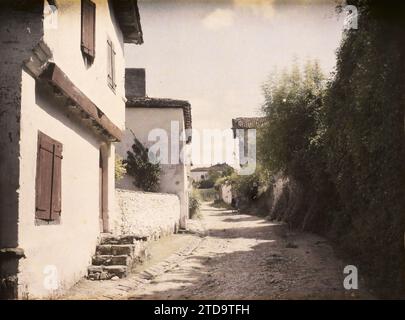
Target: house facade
151, 119
245, 138
198, 174
202, 173
62, 109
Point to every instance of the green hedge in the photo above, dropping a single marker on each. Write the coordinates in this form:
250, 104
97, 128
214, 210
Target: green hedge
345, 145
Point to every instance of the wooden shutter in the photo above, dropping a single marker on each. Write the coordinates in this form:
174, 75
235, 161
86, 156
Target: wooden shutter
48, 178
111, 64
88, 28
44, 178
56, 206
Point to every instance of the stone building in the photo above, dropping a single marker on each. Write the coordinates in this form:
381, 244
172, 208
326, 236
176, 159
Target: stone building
245, 140
62, 100
202, 173
198, 174
146, 119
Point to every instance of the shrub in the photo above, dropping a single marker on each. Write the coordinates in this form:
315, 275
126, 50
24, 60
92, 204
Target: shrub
146, 174
120, 168
205, 184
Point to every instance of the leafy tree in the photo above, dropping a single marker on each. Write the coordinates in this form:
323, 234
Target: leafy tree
345, 144
146, 174
292, 105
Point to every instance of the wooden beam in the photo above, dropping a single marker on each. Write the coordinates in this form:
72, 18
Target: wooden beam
57, 78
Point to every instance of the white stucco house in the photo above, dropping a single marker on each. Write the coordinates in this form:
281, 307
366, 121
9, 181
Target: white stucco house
146, 118
198, 174
62, 100
241, 127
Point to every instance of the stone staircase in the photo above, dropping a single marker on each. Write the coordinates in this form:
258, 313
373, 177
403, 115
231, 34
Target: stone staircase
115, 256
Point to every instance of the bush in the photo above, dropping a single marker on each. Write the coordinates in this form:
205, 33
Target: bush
247, 187
120, 168
205, 184
146, 174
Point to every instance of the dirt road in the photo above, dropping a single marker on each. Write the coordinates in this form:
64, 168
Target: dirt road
241, 257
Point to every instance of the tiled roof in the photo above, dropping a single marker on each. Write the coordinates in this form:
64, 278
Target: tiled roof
147, 102
202, 169
127, 14
216, 167
248, 123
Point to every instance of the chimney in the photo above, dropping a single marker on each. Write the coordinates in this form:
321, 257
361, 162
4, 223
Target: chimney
135, 85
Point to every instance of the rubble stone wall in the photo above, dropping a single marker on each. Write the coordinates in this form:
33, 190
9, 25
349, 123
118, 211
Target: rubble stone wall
146, 214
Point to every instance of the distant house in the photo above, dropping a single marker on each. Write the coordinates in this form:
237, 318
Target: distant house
143, 116
62, 108
202, 173
198, 174
240, 128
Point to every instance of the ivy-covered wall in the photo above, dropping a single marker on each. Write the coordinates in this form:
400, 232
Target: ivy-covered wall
338, 156
364, 142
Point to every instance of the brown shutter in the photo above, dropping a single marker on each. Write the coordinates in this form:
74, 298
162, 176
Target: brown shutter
56, 206
44, 178
111, 64
48, 179
88, 28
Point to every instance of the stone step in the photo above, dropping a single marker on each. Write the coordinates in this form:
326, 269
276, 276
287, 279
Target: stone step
106, 272
130, 239
115, 249
107, 260
117, 270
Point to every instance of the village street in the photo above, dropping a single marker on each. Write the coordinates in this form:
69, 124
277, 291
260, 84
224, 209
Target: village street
240, 256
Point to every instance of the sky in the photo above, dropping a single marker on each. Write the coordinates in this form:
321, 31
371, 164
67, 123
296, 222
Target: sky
217, 54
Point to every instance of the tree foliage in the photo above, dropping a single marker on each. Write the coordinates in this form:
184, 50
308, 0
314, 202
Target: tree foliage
146, 174
364, 141
292, 105
345, 144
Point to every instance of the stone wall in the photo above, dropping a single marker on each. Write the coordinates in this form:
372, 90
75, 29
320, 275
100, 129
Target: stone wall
226, 194
21, 30
146, 214
140, 122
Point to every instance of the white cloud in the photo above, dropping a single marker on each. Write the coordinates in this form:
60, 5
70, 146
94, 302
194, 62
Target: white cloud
218, 19
261, 8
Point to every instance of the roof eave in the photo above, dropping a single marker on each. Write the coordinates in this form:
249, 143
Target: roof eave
128, 17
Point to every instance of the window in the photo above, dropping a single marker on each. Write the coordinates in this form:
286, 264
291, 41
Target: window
111, 65
88, 42
48, 179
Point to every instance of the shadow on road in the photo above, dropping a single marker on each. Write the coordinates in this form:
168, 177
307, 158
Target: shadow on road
246, 257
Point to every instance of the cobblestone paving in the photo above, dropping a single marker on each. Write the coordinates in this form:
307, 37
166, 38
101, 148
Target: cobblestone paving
233, 256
